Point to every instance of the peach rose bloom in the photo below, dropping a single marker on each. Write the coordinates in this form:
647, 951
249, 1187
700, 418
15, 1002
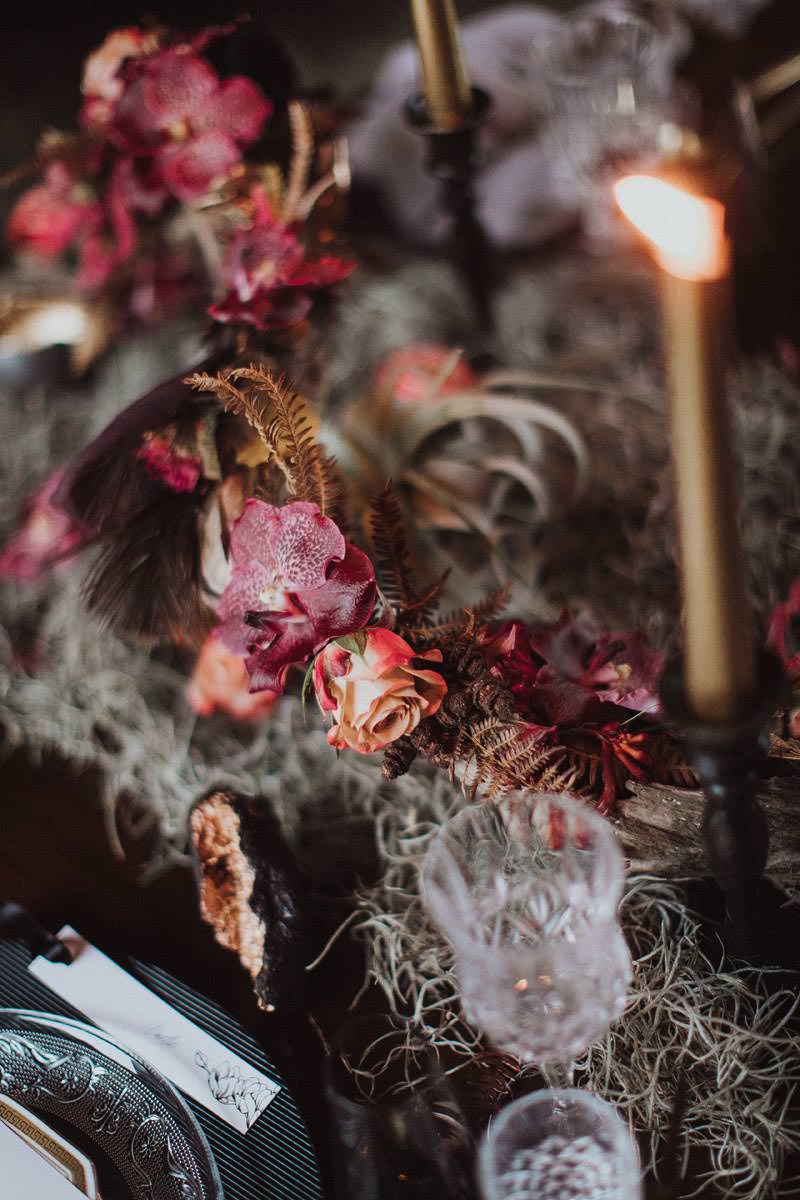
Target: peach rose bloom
220, 680
367, 682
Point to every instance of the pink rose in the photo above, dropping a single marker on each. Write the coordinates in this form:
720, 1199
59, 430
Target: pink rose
220, 681
367, 681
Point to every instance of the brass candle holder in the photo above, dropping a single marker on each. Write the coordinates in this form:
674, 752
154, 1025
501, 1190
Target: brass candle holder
448, 114
451, 158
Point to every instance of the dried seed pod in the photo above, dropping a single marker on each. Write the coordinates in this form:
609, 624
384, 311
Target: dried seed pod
252, 894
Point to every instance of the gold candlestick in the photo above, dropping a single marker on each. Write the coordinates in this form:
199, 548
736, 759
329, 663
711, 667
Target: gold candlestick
447, 89
687, 233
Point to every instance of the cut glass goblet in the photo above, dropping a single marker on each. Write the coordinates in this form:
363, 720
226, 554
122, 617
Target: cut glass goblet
527, 892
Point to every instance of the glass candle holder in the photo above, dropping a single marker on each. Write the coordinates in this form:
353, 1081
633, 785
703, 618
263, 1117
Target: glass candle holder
559, 1145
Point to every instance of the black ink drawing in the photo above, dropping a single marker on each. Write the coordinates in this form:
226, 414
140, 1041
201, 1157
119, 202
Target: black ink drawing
249, 1095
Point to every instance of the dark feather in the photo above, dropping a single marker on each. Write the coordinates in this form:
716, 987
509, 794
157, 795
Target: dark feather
145, 581
105, 486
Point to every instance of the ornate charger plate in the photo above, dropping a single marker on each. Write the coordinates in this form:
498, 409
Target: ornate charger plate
77, 1073
165, 1147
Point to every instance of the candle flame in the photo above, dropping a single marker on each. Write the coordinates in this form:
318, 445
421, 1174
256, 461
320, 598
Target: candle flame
687, 232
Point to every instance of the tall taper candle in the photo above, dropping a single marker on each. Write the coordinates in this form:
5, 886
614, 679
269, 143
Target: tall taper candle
447, 89
687, 232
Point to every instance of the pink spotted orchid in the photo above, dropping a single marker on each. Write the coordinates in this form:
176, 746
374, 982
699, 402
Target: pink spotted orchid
295, 584
176, 110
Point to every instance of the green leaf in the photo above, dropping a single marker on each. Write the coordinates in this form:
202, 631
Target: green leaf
355, 643
307, 685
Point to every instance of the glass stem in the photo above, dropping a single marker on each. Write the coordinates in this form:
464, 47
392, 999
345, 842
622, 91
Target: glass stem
558, 1075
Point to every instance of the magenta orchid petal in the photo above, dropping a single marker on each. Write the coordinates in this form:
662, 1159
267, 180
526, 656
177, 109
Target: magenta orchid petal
625, 670
295, 583
238, 108
176, 87
321, 272
293, 544
305, 545
342, 605
269, 276
189, 168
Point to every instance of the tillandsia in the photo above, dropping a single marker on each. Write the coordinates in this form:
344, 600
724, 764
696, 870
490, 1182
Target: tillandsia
224, 528
193, 175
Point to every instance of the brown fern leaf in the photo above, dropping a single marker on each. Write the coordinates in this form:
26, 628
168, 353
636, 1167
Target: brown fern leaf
521, 762
387, 531
483, 612
508, 756
280, 417
669, 762
233, 399
310, 474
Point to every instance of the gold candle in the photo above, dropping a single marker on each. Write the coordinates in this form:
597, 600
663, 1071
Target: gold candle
687, 234
447, 89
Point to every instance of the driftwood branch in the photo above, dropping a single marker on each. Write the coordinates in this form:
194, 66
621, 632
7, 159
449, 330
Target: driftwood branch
659, 828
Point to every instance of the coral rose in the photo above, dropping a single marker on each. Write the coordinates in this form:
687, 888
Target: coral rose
369, 682
220, 681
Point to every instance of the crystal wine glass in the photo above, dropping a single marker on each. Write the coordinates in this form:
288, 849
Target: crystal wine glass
609, 72
562, 1145
527, 891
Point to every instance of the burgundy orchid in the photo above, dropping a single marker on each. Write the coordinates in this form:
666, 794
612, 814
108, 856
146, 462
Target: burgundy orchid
296, 583
564, 673
269, 276
616, 668
176, 110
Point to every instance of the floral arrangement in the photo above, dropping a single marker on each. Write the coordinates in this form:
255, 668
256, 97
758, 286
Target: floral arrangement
187, 179
222, 525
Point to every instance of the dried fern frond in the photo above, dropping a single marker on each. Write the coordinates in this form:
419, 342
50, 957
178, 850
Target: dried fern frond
281, 418
387, 532
480, 614
484, 611
507, 757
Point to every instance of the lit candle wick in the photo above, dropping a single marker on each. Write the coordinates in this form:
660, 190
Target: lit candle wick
686, 232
